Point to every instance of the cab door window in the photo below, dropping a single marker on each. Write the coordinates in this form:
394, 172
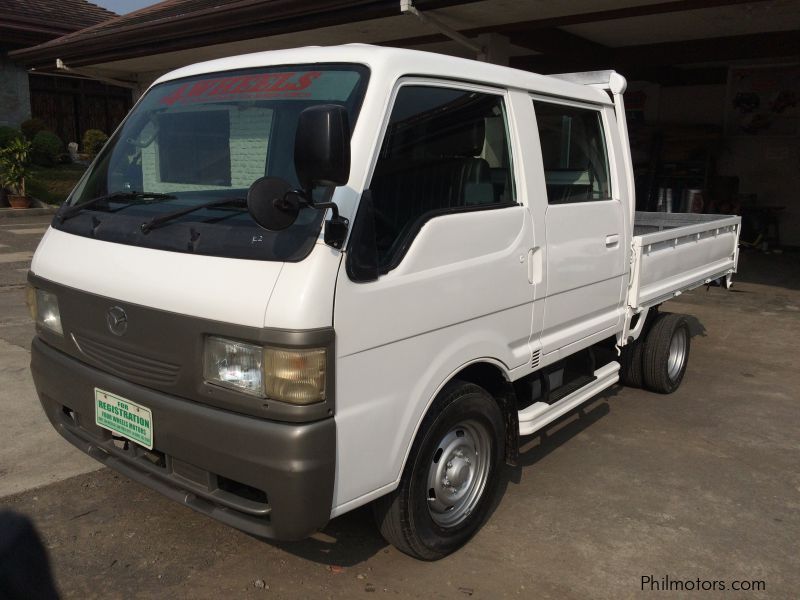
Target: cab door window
445, 150
573, 153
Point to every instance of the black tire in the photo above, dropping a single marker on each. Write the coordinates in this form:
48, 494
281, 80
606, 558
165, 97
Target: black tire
633, 364
404, 517
663, 368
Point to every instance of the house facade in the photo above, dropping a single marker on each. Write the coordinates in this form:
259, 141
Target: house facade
713, 84
68, 103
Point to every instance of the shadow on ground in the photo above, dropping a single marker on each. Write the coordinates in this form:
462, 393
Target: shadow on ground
346, 541
695, 326
778, 270
537, 446
353, 538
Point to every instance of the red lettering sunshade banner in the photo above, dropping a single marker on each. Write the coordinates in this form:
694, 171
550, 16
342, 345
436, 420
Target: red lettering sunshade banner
246, 87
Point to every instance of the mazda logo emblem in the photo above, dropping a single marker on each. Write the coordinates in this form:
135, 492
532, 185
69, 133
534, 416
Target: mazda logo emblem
117, 320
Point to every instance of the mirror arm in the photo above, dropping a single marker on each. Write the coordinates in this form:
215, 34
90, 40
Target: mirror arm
325, 206
306, 201
336, 228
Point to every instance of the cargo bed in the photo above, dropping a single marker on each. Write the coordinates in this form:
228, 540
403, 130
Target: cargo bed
675, 252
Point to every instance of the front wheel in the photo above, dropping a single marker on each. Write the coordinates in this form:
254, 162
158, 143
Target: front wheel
450, 479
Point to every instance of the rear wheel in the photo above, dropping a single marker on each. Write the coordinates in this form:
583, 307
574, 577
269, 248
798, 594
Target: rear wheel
632, 363
450, 480
666, 353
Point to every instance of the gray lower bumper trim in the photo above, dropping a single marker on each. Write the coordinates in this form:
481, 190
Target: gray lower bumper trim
293, 464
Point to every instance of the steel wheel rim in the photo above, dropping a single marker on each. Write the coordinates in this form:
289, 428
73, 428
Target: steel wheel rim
458, 473
677, 354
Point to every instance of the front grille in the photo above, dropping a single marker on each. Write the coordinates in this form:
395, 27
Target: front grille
127, 364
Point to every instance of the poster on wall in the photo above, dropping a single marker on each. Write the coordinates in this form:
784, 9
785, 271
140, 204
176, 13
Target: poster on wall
763, 101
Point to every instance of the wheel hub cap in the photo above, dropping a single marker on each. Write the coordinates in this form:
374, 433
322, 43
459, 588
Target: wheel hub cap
677, 354
458, 473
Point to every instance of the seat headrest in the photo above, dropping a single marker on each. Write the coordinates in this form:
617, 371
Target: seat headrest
462, 139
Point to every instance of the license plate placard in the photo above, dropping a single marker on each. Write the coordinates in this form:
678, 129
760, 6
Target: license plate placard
123, 417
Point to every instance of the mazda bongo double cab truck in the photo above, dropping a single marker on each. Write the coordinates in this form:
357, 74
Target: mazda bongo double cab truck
296, 282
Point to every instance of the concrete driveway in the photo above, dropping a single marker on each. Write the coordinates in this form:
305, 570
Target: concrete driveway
31, 452
701, 486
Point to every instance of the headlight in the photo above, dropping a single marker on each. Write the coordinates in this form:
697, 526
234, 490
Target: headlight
234, 364
295, 376
292, 376
43, 307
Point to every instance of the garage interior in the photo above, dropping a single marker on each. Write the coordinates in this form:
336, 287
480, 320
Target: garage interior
714, 85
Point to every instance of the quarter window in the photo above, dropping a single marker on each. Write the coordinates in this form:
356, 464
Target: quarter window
573, 153
445, 150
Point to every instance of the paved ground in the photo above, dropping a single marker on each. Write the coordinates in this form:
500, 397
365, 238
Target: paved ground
31, 452
701, 484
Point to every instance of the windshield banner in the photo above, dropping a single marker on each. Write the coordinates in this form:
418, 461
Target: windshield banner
308, 85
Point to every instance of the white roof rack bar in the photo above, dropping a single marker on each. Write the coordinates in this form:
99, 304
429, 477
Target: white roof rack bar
607, 80
615, 84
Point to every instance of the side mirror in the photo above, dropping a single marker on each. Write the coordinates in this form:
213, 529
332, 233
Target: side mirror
321, 157
322, 147
273, 203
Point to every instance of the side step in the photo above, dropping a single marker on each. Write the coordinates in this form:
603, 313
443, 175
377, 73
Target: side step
539, 414
573, 386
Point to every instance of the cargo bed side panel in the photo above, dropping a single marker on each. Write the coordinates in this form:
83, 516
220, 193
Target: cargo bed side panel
674, 252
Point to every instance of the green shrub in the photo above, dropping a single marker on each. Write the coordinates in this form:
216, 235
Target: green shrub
31, 127
14, 165
93, 141
46, 148
7, 134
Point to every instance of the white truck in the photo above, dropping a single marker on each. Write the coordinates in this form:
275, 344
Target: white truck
296, 282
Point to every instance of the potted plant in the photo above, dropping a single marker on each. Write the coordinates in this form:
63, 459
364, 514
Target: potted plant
14, 170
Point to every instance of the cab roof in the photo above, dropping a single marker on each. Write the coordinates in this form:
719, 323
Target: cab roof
391, 63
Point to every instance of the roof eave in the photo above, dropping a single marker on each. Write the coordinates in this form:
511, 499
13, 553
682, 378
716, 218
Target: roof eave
208, 27
177, 33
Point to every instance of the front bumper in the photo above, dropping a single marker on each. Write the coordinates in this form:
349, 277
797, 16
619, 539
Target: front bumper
272, 480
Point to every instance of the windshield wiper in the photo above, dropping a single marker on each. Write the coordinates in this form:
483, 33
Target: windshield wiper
71, 211
156, 222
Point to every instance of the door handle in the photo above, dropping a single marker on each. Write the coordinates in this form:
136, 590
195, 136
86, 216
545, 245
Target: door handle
612, 240
535, 266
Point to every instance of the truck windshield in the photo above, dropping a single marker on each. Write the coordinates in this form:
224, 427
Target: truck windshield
203, 139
